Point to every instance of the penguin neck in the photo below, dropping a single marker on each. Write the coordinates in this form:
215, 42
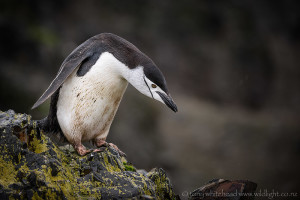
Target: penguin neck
108, 64
119, 70
109, 73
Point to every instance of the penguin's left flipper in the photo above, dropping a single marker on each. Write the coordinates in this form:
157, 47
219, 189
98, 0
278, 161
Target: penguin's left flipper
75, 59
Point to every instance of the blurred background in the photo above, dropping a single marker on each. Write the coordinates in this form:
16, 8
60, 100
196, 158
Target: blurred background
231, 66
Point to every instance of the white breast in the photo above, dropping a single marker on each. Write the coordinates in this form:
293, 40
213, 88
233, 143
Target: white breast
87, 105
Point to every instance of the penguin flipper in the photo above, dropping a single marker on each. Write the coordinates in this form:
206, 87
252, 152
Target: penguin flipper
81, 53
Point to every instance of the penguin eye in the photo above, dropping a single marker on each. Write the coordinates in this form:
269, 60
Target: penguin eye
153, 86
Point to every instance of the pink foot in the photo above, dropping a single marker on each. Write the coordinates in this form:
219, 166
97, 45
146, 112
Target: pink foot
102, 142
117, 149
98, 150
81, 150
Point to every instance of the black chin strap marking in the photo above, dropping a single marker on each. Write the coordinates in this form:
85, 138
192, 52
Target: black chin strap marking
148, 87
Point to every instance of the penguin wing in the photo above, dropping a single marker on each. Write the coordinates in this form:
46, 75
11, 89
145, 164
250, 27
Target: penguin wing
81, 53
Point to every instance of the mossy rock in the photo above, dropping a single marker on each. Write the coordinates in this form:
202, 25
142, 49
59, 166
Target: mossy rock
33, 167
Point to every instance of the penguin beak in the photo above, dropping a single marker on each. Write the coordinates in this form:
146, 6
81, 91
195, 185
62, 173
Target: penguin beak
168, 101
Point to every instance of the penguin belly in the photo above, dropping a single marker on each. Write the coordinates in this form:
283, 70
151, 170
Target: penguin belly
87, 104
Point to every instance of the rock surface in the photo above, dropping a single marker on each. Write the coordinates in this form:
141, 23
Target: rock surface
225, 190
33, 167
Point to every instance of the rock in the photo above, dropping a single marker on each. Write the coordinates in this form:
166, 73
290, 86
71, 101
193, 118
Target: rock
224, 189
32, 167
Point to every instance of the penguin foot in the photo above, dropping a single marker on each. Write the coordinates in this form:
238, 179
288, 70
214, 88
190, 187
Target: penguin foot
81, 150
117, 149
99, 149
101, 142
102, 148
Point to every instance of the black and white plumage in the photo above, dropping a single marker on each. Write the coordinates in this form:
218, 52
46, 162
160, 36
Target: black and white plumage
90, 84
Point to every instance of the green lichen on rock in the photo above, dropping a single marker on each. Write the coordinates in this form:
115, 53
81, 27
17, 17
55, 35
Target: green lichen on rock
33, 167
128, 166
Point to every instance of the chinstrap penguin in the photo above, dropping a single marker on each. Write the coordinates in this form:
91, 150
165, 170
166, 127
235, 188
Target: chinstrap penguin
90, 84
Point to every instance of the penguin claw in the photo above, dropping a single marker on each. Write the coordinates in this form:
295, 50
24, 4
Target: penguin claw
102, 143
81, 150
99, 149
113, 146
121, 153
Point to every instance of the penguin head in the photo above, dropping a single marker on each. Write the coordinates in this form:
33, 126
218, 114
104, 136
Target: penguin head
140, 71
149, 80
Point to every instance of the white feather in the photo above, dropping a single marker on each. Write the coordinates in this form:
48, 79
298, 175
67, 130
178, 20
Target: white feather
87, 105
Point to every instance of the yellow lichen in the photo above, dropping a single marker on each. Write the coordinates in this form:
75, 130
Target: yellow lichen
109, 166
51, 194
24, 168
36, 196
7, 172
36, 145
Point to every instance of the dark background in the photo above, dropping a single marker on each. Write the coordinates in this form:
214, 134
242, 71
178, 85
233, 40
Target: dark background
231, 66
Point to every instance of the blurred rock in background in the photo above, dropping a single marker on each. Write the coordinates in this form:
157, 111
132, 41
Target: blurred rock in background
231, 67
